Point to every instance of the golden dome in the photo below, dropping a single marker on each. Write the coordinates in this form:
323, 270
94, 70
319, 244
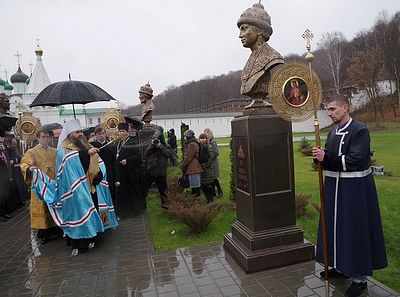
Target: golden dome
38, 51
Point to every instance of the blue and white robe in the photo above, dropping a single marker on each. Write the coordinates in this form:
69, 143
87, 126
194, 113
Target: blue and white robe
69, 199
354, 231
106, 207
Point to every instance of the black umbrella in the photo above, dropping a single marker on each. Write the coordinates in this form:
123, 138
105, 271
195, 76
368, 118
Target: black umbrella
135, 122
52, 126
70, 92
7, 121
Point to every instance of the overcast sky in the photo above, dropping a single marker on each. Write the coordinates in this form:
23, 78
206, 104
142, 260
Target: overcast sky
121, 44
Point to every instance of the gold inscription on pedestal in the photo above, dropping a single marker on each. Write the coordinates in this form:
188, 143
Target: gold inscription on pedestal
242, 166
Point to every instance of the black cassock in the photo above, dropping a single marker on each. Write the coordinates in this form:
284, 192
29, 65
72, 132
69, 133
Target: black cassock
107, 154
355, 237
130, 199
19, 191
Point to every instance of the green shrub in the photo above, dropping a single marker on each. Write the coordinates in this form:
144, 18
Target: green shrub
302, 201
194, 213
305, 147
388, 173
172, 185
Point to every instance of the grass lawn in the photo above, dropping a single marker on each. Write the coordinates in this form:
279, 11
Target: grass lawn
169, 233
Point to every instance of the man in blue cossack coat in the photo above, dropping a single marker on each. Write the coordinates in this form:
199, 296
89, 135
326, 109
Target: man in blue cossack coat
354, 231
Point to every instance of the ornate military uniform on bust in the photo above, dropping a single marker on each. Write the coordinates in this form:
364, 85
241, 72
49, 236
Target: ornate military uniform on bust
145, 95
255, 30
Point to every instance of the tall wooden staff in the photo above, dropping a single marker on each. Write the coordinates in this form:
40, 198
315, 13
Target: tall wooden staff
309, 58
295, 93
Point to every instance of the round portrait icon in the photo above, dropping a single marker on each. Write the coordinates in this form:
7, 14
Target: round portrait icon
28, 128
112, 123
296, 91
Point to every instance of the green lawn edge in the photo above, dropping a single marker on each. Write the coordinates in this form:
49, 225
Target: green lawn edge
168, 233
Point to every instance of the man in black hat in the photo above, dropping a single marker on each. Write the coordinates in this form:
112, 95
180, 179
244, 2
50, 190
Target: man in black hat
130, 200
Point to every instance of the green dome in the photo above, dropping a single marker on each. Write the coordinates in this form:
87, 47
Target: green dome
2, 82
28, 80
8, 87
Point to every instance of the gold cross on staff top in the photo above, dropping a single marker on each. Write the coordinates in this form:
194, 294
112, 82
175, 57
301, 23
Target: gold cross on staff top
37, 41
18, 55
308, 36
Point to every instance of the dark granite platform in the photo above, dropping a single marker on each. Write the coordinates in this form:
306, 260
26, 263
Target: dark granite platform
125, 264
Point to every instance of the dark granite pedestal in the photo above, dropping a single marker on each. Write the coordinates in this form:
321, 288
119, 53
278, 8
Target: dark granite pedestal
265, 234
145, 136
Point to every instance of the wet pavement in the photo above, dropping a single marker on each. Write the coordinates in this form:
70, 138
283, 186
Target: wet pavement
124, 263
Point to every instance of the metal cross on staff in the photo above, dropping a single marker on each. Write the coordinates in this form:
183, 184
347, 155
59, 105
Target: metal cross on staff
308, 35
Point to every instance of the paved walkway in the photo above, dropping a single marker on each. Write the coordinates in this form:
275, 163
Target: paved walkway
125, 264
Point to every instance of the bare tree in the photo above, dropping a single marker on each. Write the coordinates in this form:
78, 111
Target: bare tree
387, 32
333, 47
363, 73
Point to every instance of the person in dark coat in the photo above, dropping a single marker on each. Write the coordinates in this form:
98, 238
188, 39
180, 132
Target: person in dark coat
190, 163
5, 185
213, 142
156, 163
354, 231
174, 147
207, 176
107, 154
130, 200
18, 187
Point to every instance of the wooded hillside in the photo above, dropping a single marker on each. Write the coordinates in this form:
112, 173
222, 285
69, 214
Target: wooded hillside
340, 64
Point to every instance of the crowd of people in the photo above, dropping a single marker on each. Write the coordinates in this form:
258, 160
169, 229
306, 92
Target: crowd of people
74, 188
13, 193
88, 183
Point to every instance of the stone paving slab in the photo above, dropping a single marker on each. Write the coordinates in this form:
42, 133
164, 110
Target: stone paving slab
124, 263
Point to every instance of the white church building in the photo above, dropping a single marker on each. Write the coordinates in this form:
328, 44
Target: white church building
23, 89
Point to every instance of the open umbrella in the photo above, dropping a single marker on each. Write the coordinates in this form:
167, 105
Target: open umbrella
70, 92
135, 122
52, 126
7, 121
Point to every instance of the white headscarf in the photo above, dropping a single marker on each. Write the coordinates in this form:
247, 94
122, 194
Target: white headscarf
69, 127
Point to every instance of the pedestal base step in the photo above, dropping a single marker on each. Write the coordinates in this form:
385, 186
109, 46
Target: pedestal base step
253, 261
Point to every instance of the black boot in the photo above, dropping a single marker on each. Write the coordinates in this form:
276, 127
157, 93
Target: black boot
196, 192
208, 192
219, 189
356, 289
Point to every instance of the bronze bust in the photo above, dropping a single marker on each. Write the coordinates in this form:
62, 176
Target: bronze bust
255, 30
145, 95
